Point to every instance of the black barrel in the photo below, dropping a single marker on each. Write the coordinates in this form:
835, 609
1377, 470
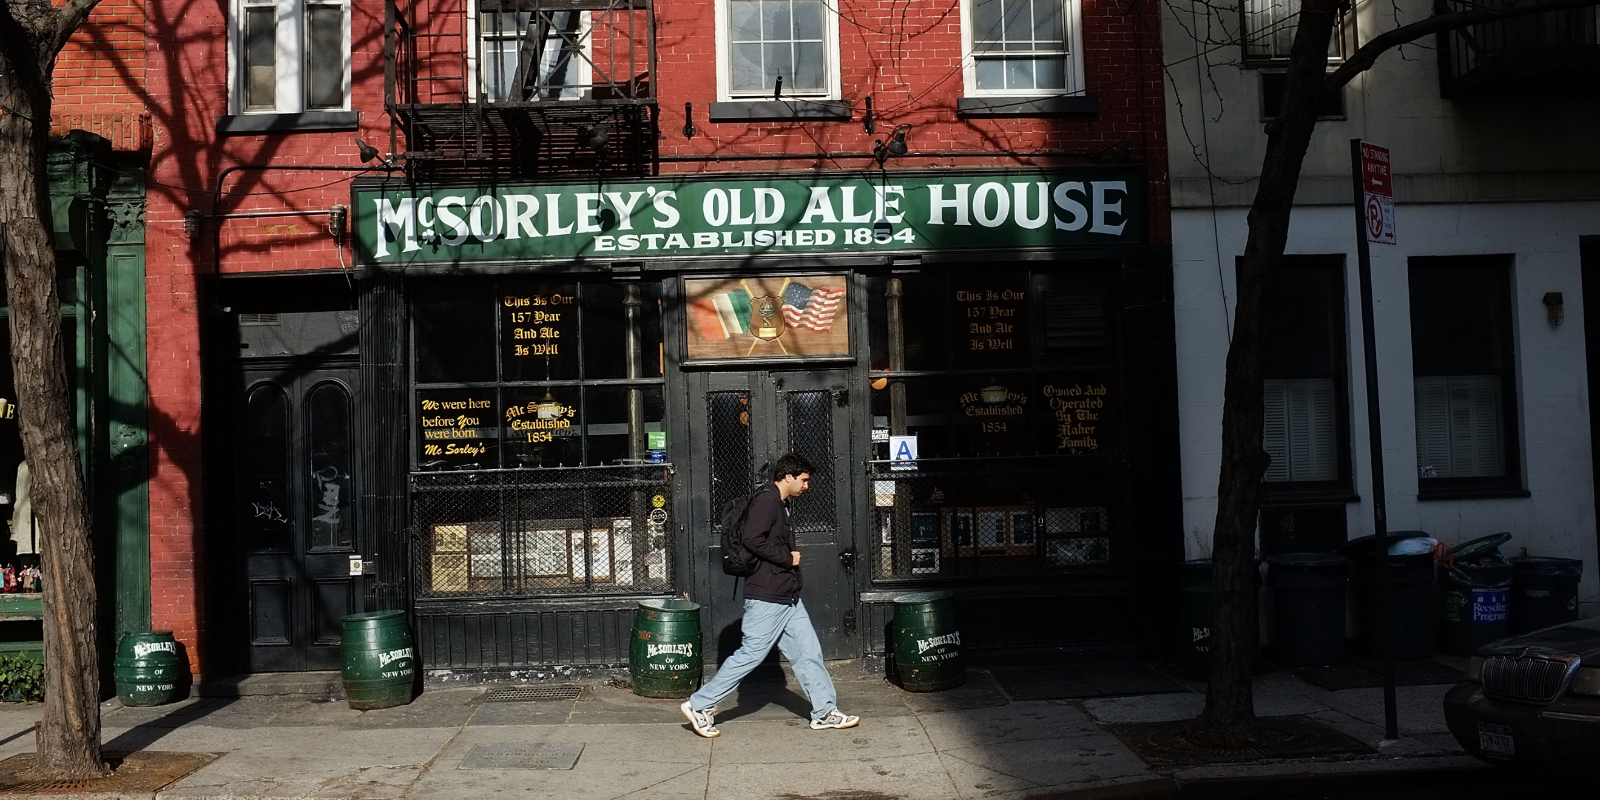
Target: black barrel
927, 642
664, 653
1544, 592
1308, 606
147, 669
1194, 614
377, 660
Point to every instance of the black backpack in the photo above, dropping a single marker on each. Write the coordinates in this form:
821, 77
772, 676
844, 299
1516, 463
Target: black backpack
737, 560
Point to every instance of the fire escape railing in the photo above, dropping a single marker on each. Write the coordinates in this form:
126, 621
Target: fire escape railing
522, 87
1555, 52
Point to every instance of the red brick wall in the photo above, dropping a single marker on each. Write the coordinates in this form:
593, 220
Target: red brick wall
99, 77
905, 55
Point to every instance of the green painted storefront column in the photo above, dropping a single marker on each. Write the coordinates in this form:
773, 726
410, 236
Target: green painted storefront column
127, 478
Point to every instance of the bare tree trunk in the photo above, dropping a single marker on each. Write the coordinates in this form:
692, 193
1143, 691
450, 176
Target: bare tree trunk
69, 734
1229, 715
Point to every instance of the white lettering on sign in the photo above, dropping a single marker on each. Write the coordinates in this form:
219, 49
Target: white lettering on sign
954, 637
385, 658
652, 650
146, 648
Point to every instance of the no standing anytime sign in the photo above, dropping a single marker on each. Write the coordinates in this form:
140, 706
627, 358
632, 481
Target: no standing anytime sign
1378, 190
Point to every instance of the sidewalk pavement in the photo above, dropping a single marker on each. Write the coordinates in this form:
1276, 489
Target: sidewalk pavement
971, 742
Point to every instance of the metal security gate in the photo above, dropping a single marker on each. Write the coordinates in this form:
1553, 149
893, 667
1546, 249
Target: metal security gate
746, 420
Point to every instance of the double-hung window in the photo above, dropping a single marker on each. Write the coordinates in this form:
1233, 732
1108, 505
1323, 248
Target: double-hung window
544, 52
1463, 374
1269, 27
765, 40
291, 56
1304, 362
1022, 47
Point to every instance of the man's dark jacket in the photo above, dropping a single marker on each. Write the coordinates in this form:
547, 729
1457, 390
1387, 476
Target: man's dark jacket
766, 533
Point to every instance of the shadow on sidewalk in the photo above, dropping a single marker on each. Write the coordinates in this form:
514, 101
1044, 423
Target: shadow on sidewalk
155, 722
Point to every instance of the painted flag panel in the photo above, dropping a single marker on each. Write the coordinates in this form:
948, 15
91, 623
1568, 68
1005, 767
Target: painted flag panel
810, 309
733, 309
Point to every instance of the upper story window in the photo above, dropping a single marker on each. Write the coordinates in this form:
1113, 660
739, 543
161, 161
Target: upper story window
1269, 27
765, 40
525, 55
1022, 47
1304, 391
292, 56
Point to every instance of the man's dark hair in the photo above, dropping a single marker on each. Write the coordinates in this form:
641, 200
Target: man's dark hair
791, 464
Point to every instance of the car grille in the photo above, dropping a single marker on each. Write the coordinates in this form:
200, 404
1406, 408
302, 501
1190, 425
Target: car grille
1528, 678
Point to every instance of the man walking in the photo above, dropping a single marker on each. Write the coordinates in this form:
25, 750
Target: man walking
773, 611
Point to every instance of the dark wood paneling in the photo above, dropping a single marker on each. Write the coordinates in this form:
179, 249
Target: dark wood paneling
494, 638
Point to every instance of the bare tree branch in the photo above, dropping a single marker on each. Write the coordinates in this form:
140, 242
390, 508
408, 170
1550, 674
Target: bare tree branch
68, 19
1363, 58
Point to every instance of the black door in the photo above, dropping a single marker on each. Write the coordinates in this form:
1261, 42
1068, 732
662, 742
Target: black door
295, 514
745, 421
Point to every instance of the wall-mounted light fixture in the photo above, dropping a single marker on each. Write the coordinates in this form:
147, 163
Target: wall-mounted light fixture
337, 215
869, 124
367, 151
688, 120
1553, 306
191, 223
895, 147
595, 137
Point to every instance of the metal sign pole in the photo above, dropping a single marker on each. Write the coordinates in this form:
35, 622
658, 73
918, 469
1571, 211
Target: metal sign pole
1380, 522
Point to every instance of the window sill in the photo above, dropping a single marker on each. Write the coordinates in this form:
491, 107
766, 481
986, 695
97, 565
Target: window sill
1426, 493
306, 121
1027, 106
780, 110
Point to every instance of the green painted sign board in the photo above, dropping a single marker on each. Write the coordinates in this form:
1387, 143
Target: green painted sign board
682, 216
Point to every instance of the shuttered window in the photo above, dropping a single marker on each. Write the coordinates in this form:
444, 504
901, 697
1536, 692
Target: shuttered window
1305, 368
1462, 360
1301, 429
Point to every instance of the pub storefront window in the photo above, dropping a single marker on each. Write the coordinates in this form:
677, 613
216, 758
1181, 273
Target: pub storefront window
1007, 383
538, 460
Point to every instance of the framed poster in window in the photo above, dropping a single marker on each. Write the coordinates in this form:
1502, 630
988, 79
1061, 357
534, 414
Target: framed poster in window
958, 532
544, 553
991, 530
767, 317
591, 555
924, 561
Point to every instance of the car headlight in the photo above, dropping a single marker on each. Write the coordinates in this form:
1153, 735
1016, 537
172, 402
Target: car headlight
1587, 682
1474, 669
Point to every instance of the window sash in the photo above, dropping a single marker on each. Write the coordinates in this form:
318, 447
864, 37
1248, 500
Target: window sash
291, 55
772, 38
1022, 46
501, 34
1269, 28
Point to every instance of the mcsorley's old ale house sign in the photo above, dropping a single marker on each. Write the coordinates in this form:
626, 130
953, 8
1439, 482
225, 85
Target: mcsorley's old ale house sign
684, 216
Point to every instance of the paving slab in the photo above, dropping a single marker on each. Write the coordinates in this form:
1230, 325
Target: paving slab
1052, 762
980, 691
1018, 722
793, 741
918, 777
1418, 710
443, 708
536, 712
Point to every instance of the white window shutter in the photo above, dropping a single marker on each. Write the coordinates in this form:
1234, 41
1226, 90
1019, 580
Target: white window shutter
1275, 438
1485, 399
1433, 425
1324, 462
1458, 426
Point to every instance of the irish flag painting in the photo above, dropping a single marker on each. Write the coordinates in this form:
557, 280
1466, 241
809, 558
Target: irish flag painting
720, 311
723, 315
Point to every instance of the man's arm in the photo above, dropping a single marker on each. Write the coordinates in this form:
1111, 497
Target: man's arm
758, 525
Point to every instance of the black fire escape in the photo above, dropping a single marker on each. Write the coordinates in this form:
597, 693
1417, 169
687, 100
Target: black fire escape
506, 89
1556, 53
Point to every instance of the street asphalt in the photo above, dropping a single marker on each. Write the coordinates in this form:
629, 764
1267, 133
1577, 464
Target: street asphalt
977, 741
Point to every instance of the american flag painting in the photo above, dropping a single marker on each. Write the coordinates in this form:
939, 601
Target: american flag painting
809, 308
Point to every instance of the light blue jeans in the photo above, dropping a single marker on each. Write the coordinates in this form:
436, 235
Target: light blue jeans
788, 627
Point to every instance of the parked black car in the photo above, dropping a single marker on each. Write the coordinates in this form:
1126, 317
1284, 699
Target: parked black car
1533, 700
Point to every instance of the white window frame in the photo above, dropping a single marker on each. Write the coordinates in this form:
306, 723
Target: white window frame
830, 49
290, 93
475, 49
1342, 41
1073, 18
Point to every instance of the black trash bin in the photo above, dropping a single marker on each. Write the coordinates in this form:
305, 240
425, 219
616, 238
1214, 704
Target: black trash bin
1544, 592
1194, 613
1411, 616
1308, 606
1476, 596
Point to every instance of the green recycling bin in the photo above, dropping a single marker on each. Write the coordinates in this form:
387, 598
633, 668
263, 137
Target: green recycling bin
147, 669
377, 660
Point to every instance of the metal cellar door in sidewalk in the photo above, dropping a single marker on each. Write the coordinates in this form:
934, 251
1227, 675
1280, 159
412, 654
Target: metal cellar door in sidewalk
295, 516
745, 421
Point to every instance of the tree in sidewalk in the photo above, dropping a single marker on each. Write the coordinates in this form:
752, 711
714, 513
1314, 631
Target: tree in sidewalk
1229, 715
32, 33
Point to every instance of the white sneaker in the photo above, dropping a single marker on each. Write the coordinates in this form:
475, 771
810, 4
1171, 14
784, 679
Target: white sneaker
702, 722
835, 719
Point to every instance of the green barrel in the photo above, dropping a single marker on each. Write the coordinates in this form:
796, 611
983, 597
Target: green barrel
147, 669
927, 642
664, 653
377, 660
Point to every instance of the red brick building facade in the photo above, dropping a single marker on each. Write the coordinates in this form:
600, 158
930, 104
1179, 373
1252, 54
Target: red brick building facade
257, 240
